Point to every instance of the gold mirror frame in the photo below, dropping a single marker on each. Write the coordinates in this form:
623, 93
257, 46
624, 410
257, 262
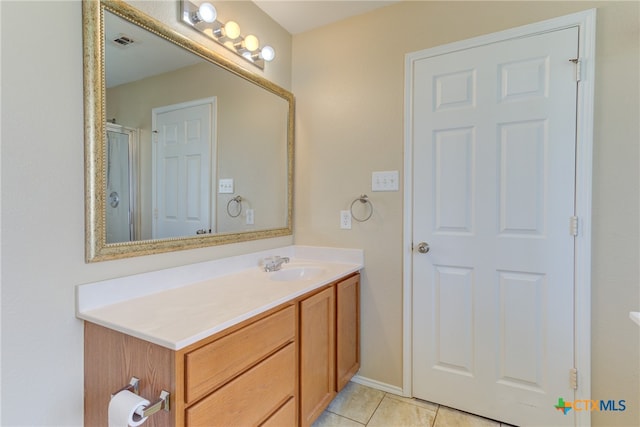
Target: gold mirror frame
96, 248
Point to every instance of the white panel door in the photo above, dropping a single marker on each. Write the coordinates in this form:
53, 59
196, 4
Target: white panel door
494, 175
183, 171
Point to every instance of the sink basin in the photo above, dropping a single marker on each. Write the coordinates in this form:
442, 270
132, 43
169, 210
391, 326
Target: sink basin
296, 273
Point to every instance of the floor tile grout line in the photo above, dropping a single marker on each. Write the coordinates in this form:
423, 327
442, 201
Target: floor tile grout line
344, 416
377, 406
435, 417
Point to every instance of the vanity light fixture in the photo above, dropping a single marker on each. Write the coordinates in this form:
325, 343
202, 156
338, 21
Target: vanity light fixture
250, 44
228, 31
205, 13
268, 53
204, 19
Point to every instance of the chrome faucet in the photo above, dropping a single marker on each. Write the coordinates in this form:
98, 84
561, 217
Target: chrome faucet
274, 263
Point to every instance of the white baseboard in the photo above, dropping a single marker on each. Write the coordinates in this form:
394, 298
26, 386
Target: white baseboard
377, 385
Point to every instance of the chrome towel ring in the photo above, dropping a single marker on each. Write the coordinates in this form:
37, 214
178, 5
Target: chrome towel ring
364, 199
238, 206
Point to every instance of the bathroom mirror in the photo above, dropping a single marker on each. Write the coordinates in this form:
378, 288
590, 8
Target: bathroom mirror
183, 148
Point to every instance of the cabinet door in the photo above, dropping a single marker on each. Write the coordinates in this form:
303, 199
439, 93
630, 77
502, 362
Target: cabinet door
317, 354
347, 330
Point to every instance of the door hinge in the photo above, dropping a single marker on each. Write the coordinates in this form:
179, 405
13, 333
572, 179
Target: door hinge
573, 225
573, 378
578, 63
155, 213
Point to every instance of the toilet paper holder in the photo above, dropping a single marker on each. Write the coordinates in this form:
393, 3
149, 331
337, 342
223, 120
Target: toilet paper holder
161, 403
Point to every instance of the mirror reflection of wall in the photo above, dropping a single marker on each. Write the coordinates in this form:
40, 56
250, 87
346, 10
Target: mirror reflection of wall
251, 130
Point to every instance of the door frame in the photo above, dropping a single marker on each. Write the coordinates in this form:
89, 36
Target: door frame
213, 170
585, 21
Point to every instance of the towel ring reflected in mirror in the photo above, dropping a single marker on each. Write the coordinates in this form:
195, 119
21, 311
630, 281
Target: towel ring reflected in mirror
237, 203
364, 199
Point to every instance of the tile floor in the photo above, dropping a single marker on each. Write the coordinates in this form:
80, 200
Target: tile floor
358, 406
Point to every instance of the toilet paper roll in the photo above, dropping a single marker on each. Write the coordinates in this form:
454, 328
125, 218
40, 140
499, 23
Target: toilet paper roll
125, 409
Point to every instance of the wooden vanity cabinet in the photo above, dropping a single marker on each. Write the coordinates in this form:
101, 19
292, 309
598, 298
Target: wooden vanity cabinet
278, 369
245, 375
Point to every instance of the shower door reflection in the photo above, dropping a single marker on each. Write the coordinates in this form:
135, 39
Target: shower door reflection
121, 183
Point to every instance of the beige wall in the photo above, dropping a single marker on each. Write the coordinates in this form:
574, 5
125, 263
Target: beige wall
43, 203
349, 86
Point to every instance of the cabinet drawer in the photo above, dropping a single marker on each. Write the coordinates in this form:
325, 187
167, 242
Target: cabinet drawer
252, 396
285, 416
208, 367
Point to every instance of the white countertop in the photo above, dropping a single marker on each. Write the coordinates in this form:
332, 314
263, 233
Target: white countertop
175, 316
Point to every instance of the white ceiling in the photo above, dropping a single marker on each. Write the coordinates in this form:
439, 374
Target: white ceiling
298, 16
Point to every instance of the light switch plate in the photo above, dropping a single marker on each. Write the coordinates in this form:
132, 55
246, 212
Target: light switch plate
225, 186
385, 181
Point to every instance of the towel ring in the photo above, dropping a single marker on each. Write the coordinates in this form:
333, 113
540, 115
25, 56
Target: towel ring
238, 201
364, 199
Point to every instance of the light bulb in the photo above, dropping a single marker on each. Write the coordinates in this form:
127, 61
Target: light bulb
232, 30
268, 53
207, 12
251, 43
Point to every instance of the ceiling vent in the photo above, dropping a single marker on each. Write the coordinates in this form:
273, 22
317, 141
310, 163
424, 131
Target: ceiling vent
123, 40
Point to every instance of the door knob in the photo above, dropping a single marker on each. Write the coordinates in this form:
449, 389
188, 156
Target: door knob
423, 247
